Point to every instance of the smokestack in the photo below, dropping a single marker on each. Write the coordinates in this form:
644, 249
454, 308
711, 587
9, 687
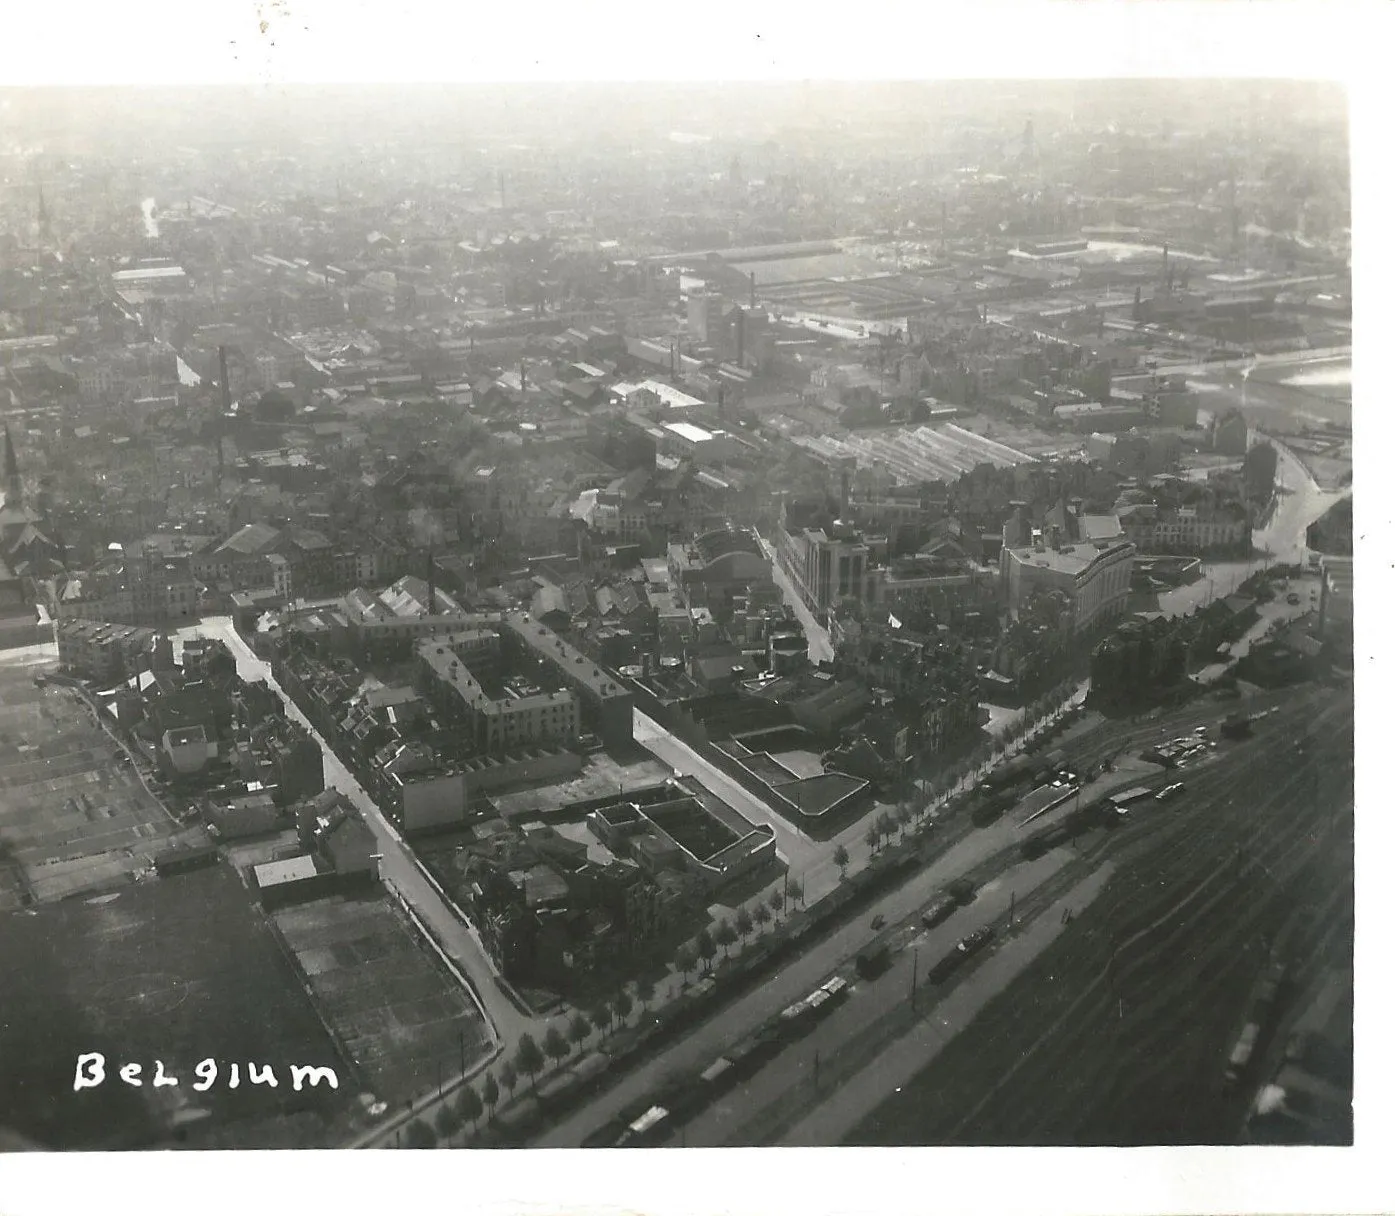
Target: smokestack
846, 487
672, 359
740, 337
721, 401
523, 376
753, 289
430, 583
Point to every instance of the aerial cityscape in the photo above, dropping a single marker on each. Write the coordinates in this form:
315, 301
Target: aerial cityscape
596, 616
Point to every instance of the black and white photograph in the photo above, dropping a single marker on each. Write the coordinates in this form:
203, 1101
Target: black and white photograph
639, 604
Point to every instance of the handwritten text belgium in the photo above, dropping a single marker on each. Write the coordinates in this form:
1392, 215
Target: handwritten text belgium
92, 1072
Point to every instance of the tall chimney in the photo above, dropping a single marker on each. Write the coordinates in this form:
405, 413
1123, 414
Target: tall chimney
846, 486
740, 337
721, 401
523, 376
753, 289
430, 582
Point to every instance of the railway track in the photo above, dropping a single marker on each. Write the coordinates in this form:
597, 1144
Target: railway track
1159, 939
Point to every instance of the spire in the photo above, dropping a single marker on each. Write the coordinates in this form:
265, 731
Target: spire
13, 492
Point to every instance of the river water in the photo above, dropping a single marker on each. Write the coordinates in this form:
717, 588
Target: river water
1330, 373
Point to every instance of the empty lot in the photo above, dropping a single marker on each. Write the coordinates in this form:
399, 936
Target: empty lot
403, 1019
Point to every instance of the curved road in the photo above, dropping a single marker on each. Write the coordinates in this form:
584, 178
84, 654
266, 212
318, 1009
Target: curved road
1283, 540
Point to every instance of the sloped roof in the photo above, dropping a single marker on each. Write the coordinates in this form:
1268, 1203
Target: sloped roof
250, 540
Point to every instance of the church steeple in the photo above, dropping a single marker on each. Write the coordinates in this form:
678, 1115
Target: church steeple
14, 493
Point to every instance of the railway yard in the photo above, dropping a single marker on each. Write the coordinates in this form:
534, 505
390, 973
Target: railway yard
1120, 1031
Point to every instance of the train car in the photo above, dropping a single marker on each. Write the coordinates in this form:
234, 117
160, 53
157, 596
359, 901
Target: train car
837, 989
717, 1075
1126, 798
966, 949
939, 911
651, 1127
740, 1060
1242, 1052
795, 1020
1261, 1010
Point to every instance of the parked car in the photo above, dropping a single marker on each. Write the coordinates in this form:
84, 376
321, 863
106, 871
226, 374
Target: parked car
1169, 791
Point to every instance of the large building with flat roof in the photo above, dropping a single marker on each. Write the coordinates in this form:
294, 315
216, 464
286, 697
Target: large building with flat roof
503, 712
101, 650
827, 565
715, 563
687, 439
607, 707
1094, 574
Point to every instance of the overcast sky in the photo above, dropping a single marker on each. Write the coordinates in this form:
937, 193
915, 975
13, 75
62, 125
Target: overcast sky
284, 41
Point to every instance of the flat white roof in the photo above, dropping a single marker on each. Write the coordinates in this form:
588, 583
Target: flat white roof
273, 873
669, 395
688, 431
148, 272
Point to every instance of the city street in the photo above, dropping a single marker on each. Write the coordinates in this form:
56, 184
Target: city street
820, 647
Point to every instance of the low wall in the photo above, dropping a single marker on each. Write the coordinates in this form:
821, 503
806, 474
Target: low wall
509, 771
